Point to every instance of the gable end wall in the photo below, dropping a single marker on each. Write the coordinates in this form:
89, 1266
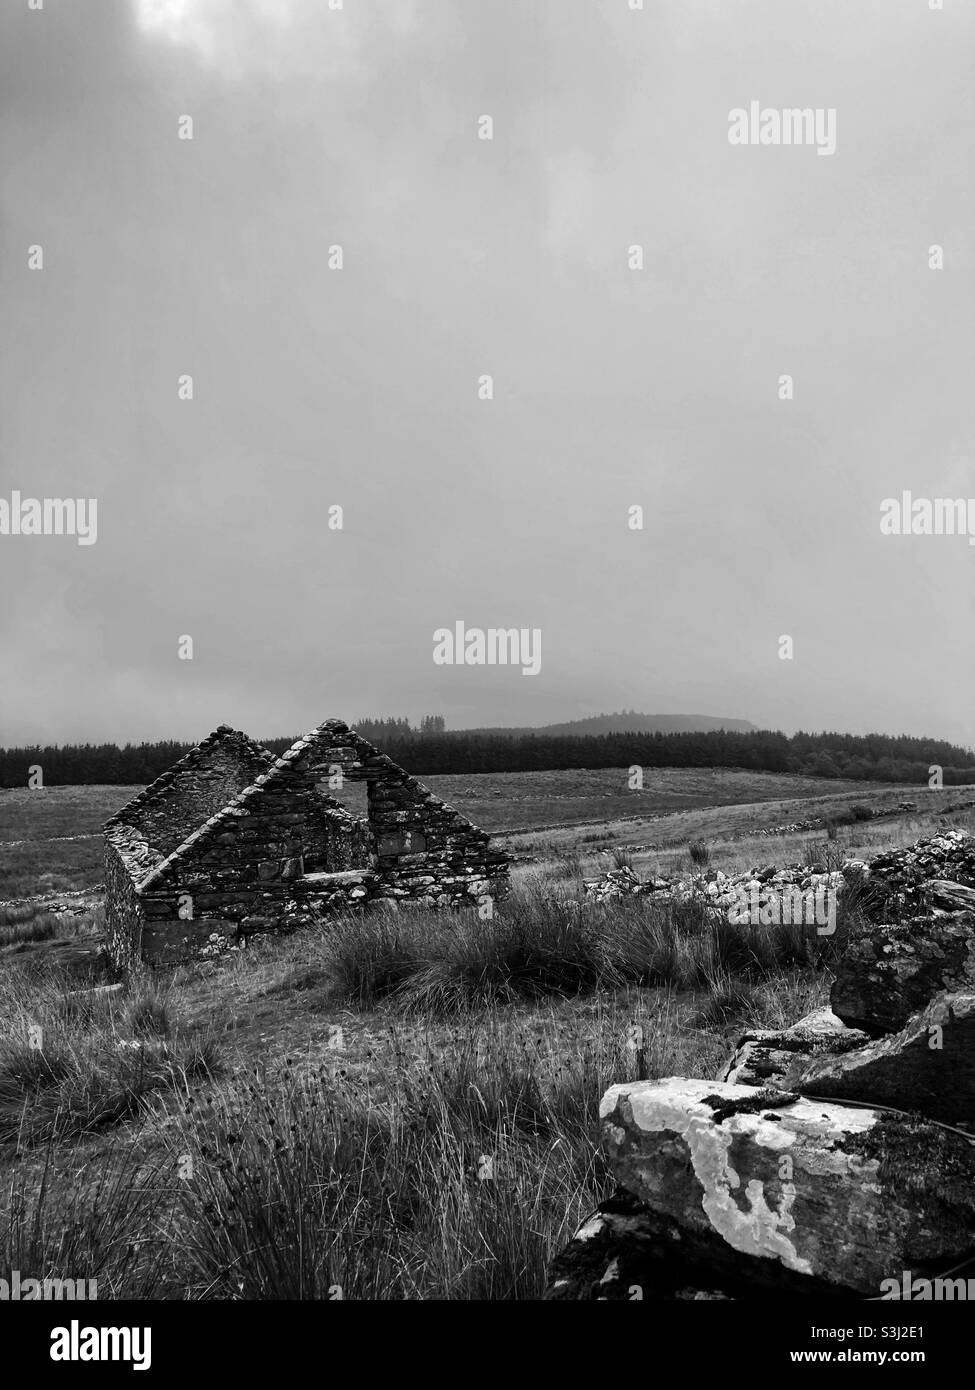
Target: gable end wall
217, 775
123, 910
244, 870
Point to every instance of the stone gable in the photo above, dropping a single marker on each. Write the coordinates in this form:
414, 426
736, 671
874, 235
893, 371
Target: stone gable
282, 848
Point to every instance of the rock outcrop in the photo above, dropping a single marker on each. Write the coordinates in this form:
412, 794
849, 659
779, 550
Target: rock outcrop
836, 1194
766, 1057
893, 970
929, 1065
830, 1156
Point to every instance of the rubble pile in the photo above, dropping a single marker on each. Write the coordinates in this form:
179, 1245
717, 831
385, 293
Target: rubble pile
934, 873
933, 876
795, 827
716, 889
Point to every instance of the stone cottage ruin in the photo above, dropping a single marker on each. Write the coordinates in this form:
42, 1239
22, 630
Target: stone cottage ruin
231, 842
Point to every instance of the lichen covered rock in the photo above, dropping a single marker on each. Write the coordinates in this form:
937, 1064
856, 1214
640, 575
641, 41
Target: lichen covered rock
837, 1196
893, 971
777, 1057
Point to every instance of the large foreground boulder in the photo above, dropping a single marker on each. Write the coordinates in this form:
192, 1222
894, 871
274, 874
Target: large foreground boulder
826, 1194
893, 971
929, 1065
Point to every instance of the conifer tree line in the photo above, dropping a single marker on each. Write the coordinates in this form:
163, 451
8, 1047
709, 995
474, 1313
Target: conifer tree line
428, 748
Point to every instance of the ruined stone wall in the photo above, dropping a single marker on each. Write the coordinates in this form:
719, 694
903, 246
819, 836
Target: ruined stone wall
123, 910
425, 850
196, 788
284, 849
275, 853
167, 939
278, 847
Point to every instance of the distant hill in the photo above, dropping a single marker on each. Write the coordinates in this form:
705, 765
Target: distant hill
630, 722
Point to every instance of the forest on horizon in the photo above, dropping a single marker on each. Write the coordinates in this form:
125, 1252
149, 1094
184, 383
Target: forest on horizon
429, 749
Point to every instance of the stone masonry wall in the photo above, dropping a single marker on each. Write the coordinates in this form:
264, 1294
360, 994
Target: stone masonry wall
425, 850
195, 788
123, 911
261, 862
284, 848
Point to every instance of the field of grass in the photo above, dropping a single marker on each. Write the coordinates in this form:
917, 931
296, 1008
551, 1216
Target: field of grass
397, 1106
357, 1108
505, 801
50, 839
494, 800
58, 812
735, 824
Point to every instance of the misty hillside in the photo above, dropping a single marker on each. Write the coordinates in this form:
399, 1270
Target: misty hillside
631, 722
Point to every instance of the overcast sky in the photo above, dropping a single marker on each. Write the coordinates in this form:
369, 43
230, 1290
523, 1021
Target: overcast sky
357, 387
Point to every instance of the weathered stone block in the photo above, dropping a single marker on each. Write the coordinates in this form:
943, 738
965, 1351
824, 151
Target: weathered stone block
843, 1196
768, 1057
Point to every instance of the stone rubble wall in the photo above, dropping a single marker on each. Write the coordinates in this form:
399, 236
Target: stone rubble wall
908, 876
931, 876
718, 890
